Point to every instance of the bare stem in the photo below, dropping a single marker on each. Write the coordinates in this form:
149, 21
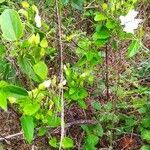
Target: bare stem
61, 92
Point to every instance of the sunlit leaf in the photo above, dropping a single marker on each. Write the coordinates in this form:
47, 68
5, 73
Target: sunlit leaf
100, 17
110, 24
44, 43
41, 70
3, 100
31, 109
15, 91
42, 131
146, 135
67, 142
53, 142
145, 147
11, 25
1, 1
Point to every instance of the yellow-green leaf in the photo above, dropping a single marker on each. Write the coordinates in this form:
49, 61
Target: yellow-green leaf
41, 70
3, 100
100, 17
67, 142
1, 1
44, 43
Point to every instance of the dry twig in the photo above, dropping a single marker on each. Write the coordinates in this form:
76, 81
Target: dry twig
61, 92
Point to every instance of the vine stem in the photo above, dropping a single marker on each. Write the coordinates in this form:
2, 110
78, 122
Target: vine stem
61, 92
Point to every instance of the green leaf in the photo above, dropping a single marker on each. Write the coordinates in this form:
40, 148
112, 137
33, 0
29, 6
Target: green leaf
145, 147
11, 25
98, 130
44, 43
65, 2
102, 34
2, 51
146, 135
77, 4
53, 142
100, 17
133, 48
26, 64
82, 93
28, 127
108, 106
41, 70
31, 109
130, 122
92, 140
89, 56
110, 24
101, 43
67, 143
146, 122
54, 121
42, 131
72, 90
82, 104
15, 91
96, 105
1, 1
3, 84
3, 100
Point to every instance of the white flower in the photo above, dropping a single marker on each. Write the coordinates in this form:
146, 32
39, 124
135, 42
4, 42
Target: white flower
37, 20
47, 83
64, 82
129, 21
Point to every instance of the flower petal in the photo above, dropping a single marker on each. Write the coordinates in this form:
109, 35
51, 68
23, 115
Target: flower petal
37, 20
132, 14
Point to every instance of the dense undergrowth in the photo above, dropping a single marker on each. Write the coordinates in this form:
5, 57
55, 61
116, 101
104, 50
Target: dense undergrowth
91, 56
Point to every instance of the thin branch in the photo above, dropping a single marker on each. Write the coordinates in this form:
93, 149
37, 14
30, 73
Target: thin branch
61, 72
79, 122
69, 124
76, 122
11, 136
